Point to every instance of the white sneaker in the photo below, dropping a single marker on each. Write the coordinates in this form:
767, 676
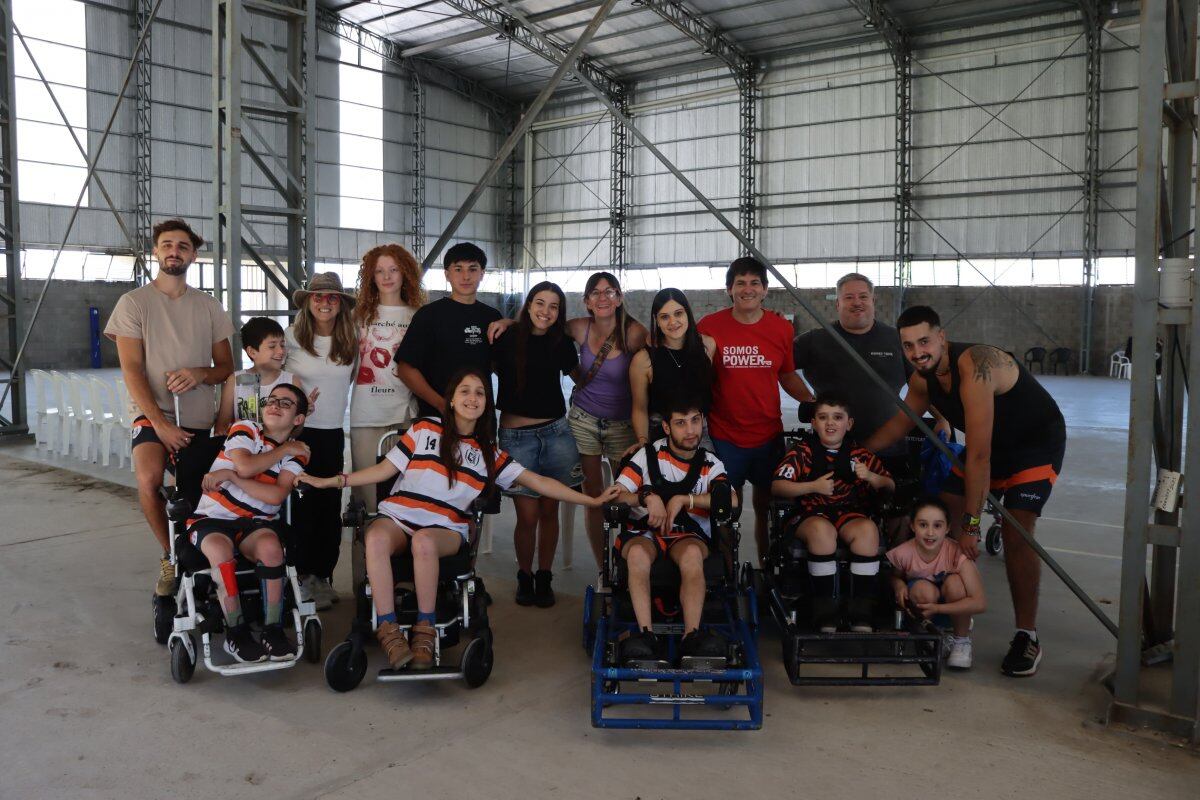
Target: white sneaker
961, 653
310, 592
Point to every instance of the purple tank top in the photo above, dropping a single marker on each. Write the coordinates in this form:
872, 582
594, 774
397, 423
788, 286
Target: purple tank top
607, 395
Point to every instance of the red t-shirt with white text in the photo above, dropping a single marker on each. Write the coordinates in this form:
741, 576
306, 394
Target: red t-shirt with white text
746, 367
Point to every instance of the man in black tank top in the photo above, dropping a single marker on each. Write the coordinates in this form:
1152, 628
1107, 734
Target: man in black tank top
1016, 438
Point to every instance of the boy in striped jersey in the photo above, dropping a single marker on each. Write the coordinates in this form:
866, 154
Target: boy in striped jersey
243, 492
670, 486
439, 469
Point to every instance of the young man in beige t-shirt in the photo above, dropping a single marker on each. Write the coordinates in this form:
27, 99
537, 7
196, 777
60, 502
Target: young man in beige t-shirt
172, 340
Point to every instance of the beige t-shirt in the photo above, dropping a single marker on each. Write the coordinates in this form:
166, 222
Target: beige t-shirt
176, 333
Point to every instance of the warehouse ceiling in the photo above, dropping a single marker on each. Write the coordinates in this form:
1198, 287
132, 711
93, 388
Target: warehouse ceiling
639, 40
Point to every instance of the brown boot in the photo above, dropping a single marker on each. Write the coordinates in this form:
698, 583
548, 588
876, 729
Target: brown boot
394, 645
424, 636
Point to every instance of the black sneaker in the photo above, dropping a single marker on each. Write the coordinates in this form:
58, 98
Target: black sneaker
703, 644
825, 614
240, 644
524, 588
640, 646
543, 595
1024, 655
278, 646
861, 611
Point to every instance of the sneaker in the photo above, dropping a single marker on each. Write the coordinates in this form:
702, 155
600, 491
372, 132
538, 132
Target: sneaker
325, 593
310, 594
1024, 655
543, 595
166, 578
278, 646
703, 644
525, 595
961, 653
825, 614
861, 611
240, 644
395, 646
423, 638
640, 646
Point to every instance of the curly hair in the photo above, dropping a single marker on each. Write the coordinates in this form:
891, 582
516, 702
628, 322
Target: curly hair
411, 292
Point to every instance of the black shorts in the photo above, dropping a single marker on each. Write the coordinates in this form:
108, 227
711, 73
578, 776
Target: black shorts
1022, 479
143, 433
235, 530
836, 515
661, 543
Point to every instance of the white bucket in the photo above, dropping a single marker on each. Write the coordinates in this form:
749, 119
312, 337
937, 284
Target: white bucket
1175, 283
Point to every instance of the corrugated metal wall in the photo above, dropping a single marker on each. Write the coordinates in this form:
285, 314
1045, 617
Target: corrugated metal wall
827, 152
461, 140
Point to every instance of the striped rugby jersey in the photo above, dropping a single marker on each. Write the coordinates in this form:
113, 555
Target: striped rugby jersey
849, 494
672, 469
422, 496
230, 502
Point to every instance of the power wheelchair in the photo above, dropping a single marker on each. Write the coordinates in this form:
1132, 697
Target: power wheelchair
730, 610
906, 650
195, 608
462, 603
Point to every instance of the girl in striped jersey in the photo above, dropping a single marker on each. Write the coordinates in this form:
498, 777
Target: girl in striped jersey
442, 468
243, 491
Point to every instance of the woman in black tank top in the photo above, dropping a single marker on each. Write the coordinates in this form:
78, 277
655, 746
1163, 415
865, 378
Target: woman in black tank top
677, 360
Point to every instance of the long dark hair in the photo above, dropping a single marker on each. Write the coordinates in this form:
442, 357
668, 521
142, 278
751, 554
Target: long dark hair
484, 434
624, 319
524, 327
693, 354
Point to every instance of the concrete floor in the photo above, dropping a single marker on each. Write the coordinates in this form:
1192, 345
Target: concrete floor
88, 708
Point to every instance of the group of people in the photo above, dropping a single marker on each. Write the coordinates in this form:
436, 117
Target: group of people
677, 403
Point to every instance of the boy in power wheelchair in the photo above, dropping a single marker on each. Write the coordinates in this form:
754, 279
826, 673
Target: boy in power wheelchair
423, 533
235, 528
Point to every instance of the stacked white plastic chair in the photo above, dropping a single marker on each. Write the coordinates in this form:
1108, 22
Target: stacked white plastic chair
1119, 366
80, 399
47, 426
125, 420
106, 416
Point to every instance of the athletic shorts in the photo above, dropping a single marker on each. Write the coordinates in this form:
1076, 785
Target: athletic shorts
835, 515
547, 450
754, 464
1022, 479
662, 543
235, 530
409, 528
143, 433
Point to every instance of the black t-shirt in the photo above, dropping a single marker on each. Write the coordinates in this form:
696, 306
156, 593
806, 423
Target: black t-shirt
540, 396
827, 367
444, 337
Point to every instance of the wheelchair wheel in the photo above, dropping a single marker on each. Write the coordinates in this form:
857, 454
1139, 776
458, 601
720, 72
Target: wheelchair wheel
477, 661
343, 669
312, 641
182, 665
993, 541
164, 618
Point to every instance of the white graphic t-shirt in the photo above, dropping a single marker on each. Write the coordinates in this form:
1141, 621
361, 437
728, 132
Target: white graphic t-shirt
379, 398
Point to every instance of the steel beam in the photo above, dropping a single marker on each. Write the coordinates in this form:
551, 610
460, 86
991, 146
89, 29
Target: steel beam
618, 196
13, 423
715, 42
531, 113
417, 92
142, 137
1093, 21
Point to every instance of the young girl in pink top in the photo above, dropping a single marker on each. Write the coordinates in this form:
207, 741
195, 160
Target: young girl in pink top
932, 575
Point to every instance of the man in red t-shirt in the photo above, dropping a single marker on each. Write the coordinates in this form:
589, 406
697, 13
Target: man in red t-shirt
753, 358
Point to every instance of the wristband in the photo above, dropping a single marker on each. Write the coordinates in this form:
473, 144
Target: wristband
643, 493
691, 501
345, 479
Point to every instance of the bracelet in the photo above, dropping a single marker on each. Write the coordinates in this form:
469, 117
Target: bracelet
345, 479
691, 501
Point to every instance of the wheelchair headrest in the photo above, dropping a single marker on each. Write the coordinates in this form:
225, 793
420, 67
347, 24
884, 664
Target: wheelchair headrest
616, 513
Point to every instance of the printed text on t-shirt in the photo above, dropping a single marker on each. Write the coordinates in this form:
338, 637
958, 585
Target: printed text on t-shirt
744, 356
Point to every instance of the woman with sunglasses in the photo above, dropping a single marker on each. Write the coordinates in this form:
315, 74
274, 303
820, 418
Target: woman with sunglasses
321, 350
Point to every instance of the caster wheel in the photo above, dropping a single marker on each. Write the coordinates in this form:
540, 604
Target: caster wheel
477, 660
182, 665
993, 542
344, 670
312, 641
164, 618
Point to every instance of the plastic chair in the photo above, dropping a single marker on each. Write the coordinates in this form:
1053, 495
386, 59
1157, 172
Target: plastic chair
125, 419
1060, 357
1119, 366
566, 517
79, 402
1036, 355
46, 424
105, 416
66, 415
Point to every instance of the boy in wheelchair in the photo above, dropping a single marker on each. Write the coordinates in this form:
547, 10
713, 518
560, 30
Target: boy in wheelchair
442, 469
238, 515
670, 485
835, 483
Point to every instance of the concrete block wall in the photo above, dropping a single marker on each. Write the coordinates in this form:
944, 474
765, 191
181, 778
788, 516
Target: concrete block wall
61, 338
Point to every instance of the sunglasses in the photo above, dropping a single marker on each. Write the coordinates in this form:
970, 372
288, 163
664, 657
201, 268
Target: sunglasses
284, 403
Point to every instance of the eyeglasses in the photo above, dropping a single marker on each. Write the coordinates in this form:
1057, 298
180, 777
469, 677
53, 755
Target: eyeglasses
608, 294
330, 297
284, 403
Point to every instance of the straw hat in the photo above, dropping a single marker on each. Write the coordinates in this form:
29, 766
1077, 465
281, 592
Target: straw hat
323, 283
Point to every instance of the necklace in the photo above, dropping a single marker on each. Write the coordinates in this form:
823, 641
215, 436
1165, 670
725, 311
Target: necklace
671, 353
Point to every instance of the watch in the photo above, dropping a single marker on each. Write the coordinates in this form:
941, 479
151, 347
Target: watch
643, 493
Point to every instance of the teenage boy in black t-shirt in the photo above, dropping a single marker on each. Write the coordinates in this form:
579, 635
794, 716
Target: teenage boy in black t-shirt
448, 334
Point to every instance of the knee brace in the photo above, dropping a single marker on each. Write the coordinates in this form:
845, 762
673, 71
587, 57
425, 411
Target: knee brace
821, 566
864, 565
228, 572
266, 573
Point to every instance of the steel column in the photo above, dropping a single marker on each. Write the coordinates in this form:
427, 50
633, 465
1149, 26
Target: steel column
418, 165
619, 180
14, 422
142, 222
528, 192
748, 97
902, 235
1093, 21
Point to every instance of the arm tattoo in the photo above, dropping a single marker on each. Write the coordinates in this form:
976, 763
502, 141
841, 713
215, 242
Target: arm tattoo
985, 358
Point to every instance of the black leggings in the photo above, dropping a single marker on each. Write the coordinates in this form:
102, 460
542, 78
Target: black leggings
317, 517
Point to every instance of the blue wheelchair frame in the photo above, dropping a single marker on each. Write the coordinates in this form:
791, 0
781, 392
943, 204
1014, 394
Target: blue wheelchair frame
739, 687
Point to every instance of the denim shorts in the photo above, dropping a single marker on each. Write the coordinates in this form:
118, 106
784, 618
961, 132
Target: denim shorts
547, 450
601, 437
754, 464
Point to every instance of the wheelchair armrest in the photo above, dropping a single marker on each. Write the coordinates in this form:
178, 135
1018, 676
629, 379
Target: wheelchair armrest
178, 507
355, 514
723, 511
616, 513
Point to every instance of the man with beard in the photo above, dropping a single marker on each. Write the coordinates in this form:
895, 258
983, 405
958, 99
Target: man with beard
671, 484
1016, 438
172, 341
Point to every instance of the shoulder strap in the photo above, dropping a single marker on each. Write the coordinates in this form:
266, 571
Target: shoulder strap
601, 357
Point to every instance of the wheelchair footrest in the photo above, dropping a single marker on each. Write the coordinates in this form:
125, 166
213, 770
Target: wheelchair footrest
647, 663
431, 674
704, 663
